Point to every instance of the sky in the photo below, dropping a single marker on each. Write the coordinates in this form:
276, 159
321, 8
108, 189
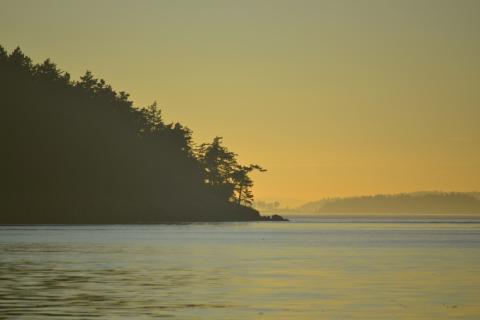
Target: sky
333, 98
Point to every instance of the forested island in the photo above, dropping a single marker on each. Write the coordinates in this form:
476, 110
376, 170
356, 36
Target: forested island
403, 203
80, 152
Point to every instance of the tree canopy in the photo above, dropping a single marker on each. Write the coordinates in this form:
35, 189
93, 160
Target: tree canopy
78, 151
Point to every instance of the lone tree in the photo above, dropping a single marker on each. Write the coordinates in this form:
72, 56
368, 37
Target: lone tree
224, 174
243, 183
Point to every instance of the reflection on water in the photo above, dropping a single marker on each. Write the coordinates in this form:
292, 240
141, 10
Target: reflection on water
301, 270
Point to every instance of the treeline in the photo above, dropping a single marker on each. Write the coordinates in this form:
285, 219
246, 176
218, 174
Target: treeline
404, 203
80, 152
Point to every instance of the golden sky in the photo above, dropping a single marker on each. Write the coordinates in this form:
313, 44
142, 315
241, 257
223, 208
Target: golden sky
334, 98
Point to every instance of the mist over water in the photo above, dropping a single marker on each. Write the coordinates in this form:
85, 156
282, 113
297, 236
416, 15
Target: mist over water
305, 269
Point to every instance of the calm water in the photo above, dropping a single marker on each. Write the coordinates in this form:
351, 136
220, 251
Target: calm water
309, 269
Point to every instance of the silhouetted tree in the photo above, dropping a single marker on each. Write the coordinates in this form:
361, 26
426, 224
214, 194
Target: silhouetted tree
219, 164
79, 152
223, 173
243, 183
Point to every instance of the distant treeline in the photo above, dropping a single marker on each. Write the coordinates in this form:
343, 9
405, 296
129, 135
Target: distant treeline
404, 203
265, 206
80, 152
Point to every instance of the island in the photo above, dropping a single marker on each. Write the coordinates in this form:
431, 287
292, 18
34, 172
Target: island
412, 203
79, 152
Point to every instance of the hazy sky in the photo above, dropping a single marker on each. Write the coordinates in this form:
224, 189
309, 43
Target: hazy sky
333, 97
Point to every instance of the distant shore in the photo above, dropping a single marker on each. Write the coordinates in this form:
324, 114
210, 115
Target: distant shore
428, 203
385, 218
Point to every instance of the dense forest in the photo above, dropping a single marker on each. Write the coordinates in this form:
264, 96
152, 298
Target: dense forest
403, 203
80, 152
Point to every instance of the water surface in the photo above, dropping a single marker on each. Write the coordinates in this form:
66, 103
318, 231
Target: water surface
305, 269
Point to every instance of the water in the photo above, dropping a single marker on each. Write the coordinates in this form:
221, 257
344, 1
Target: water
305, 269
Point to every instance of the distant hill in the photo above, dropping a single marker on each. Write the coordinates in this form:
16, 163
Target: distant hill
403, 203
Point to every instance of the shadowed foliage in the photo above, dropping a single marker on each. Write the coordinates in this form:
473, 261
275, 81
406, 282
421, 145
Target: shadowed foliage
80, 152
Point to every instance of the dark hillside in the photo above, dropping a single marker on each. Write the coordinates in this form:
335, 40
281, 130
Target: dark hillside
79, 152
